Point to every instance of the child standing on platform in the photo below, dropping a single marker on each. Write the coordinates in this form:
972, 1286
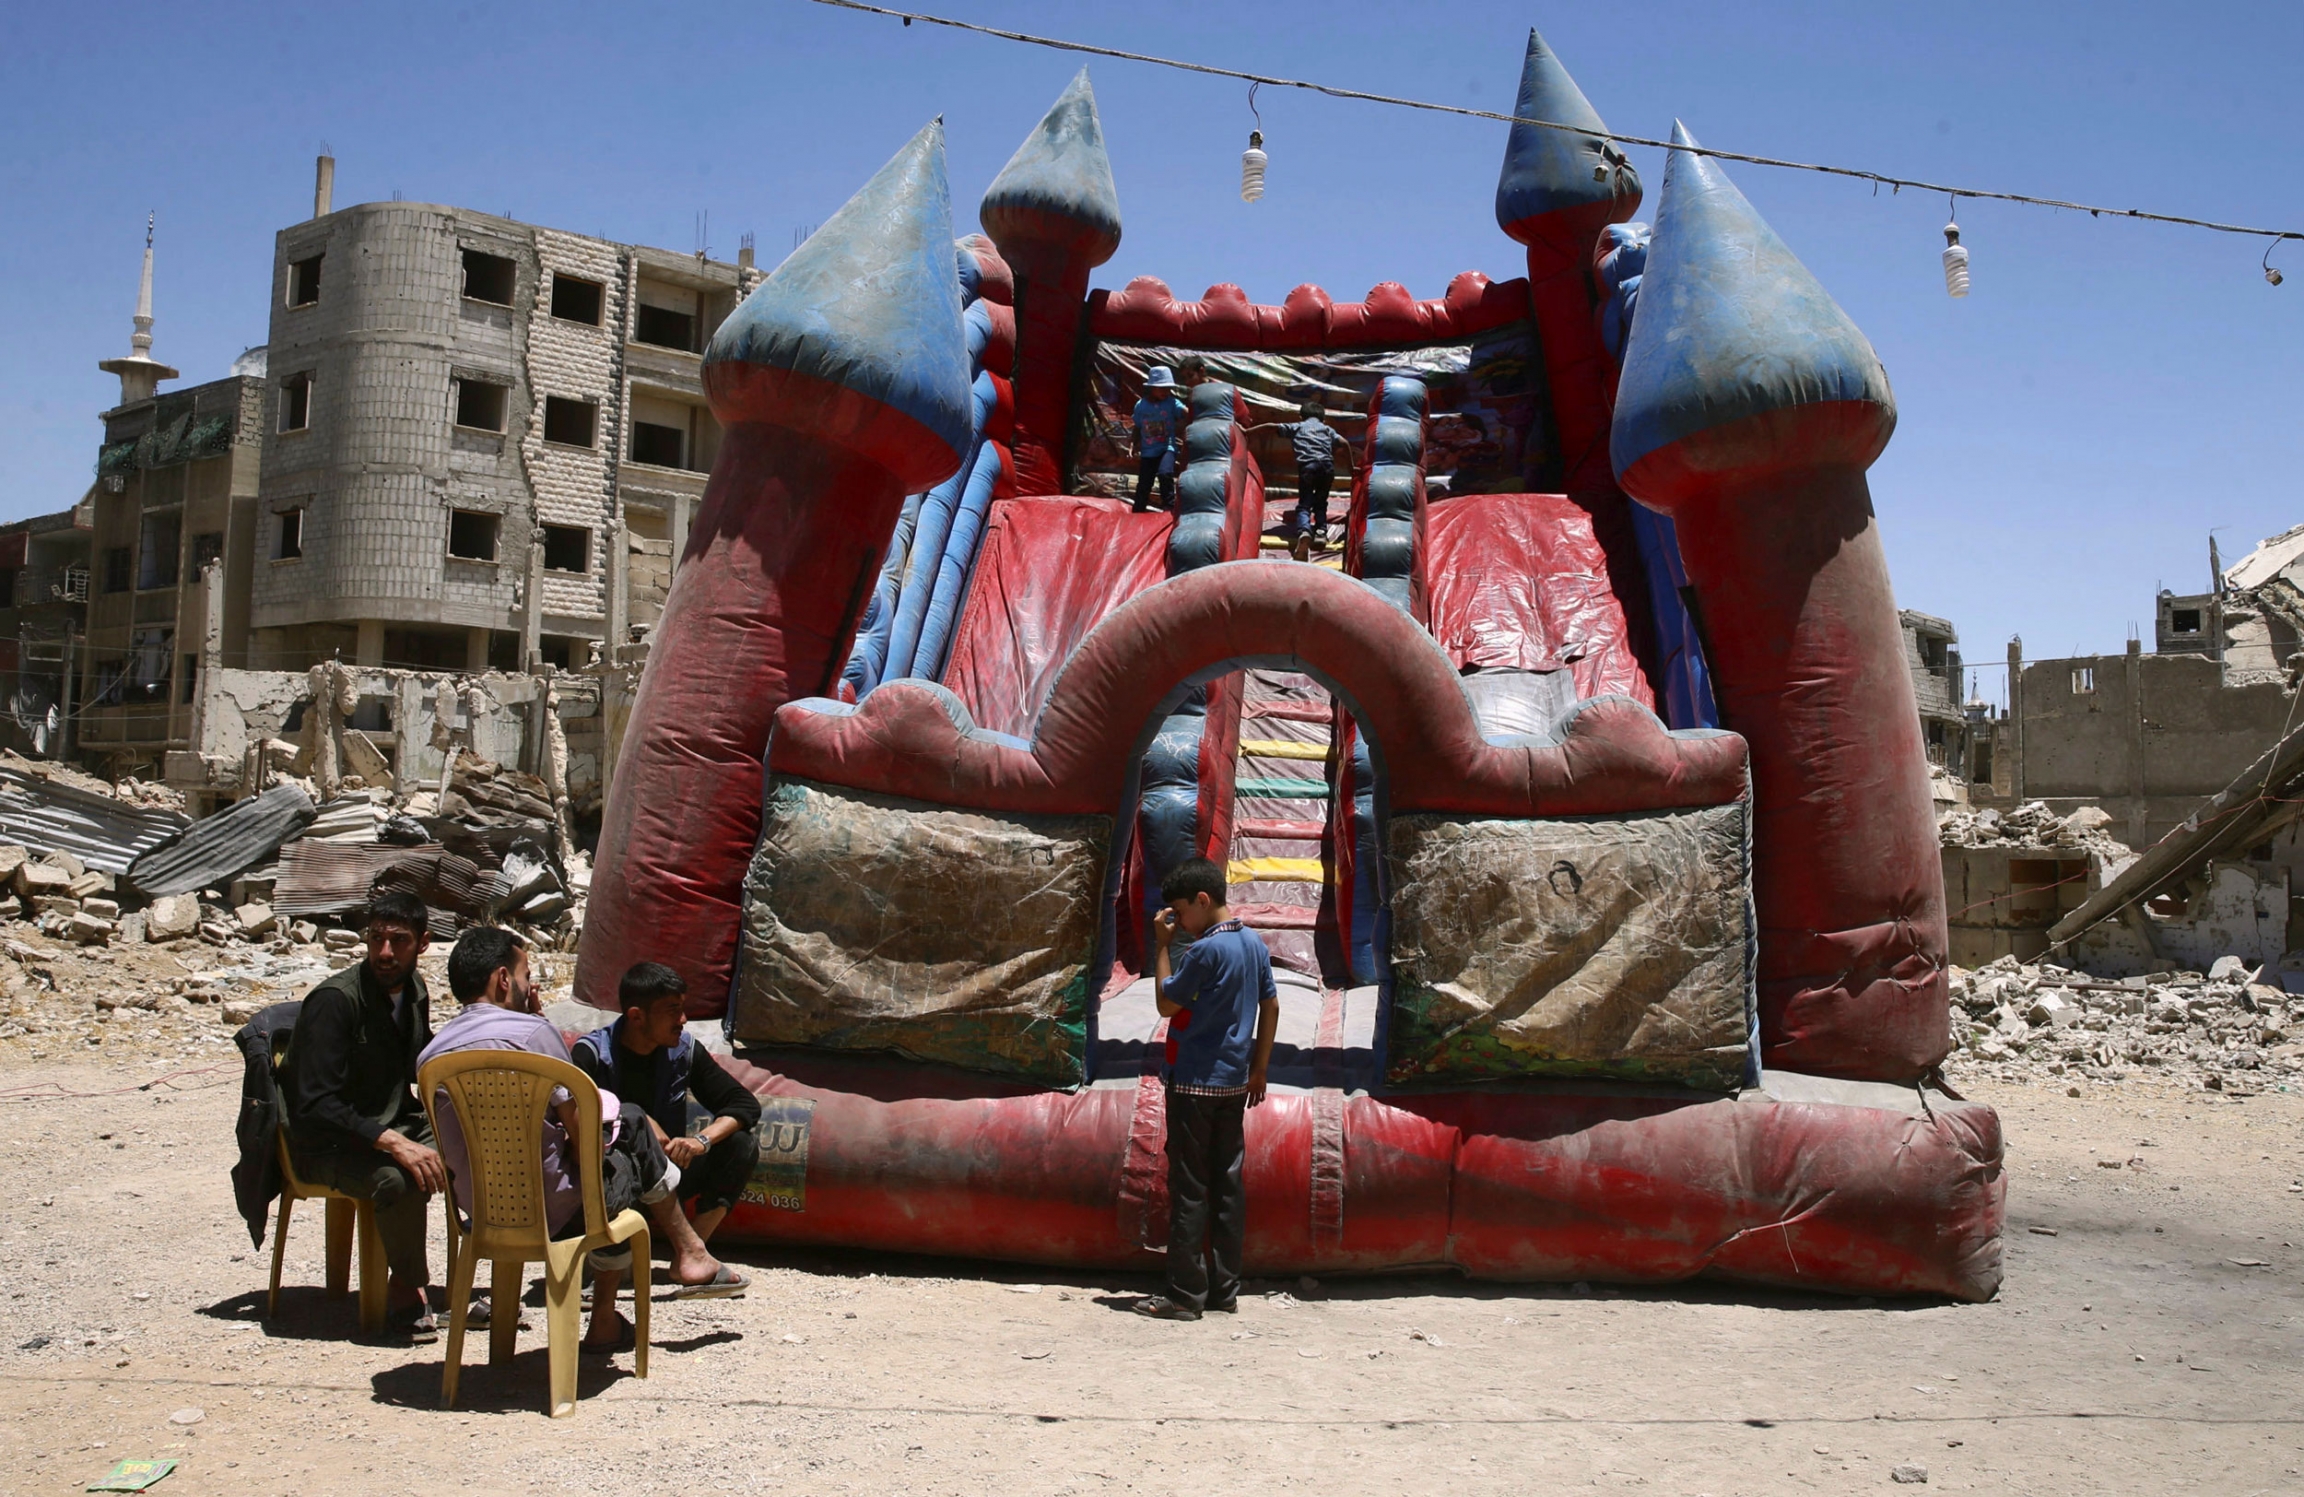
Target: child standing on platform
1158, 421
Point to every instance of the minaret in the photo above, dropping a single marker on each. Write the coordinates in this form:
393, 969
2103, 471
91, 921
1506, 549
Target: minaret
140, 374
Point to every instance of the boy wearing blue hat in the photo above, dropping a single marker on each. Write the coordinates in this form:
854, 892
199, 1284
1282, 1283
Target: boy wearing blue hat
1159, 423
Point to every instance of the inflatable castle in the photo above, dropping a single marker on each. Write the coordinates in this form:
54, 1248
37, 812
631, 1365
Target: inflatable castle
1577, 791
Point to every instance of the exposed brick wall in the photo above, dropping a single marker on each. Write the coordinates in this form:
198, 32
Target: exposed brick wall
577, 486
382, 466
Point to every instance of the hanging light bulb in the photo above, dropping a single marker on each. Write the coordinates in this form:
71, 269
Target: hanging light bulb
1252, 168
1955, 263
2272, 275
1252, 159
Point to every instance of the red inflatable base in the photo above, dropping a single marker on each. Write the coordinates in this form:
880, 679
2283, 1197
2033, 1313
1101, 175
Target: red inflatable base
1901, 1198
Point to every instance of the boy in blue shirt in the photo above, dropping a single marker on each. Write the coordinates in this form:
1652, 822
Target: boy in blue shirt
1159, 426
1222, 1012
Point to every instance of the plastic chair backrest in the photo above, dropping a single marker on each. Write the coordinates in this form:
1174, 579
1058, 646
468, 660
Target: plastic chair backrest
501, 1098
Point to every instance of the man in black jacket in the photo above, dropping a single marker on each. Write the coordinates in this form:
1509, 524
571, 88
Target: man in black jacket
702, 1116
353, 1120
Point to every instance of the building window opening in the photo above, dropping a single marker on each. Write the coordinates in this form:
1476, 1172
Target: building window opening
569, 422
2040, 889
488, 278
558, 650
664, 328
372, 715
111, 683
290, 544
2083, 680
304, 282
2184, 621
660, 446
480, 404
207, 546
574, 300
296, 402
420, 649
148, 673
1982, 773
157, 551
118, 564
472, 535
190, 676
567, 548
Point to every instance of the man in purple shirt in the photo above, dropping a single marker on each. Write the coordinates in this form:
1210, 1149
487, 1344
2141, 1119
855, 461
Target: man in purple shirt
488, 973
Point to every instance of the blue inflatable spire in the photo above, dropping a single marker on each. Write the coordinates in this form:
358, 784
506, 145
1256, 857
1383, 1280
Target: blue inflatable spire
1548, 170
871, 302
1058, 185
1732, 326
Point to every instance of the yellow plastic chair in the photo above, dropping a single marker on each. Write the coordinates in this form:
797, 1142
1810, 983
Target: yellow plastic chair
501, 1098
348, 1217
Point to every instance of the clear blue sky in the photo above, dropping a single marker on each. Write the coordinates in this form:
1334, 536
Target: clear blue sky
2070, 433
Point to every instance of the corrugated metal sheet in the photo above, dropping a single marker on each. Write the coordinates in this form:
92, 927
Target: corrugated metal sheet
212, 850
336, 878
101, 832
345, 819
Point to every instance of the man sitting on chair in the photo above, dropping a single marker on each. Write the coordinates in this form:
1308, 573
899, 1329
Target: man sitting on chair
702, 1116
488, 972
347, 1085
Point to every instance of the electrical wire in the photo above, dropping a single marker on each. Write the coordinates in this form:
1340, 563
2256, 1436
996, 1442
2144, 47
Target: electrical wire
1333, 91
56, 1091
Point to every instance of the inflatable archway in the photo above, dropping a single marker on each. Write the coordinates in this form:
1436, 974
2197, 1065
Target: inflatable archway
1570, 990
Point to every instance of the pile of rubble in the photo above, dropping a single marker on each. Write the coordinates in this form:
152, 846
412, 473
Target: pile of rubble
98, 865
2222, 1030
2031, 825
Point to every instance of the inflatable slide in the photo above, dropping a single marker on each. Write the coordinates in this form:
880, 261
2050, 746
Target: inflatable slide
1571, 776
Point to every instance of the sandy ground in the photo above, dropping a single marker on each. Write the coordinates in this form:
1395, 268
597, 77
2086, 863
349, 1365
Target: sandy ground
2151, 1344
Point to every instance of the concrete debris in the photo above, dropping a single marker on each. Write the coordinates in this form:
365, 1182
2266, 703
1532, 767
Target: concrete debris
172, 917
2031, 825
2220, 1031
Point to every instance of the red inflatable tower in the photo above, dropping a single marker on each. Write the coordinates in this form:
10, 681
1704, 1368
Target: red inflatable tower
1056, 216
1748, 410
842, 383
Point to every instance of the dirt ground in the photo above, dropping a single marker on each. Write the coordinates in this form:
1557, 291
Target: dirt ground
2150, 1344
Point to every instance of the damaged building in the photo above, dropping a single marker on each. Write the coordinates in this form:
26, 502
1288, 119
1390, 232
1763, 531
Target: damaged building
486, 438
468, 451
2099, 757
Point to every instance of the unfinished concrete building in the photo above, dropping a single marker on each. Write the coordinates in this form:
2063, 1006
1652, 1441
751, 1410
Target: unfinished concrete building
2147, 738
485, 441
1932, 654
43, 624
175, 490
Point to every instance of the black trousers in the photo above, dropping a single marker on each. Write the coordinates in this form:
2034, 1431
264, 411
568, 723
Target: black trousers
1147, 470
1312, 497
717, 1180
1207, 1198
370, 1175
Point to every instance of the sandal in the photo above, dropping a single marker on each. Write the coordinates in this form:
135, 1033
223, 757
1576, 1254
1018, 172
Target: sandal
721, 1285
626, 1339
1160, 1307
417, 1323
